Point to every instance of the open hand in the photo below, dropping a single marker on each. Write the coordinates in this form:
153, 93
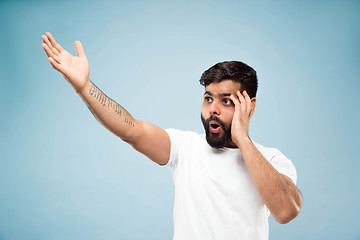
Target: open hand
75, 69
244, 109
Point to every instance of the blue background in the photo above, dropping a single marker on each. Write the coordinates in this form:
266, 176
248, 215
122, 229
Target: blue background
64, 176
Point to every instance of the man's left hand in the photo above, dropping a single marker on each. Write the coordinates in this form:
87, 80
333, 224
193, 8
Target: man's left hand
241, 119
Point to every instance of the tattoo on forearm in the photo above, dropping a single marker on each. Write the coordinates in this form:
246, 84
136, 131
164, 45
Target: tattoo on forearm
106, 101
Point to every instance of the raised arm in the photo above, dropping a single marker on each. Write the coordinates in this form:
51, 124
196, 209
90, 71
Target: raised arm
146, 138
279, 193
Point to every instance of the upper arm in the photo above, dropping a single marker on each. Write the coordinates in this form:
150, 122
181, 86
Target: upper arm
152, 141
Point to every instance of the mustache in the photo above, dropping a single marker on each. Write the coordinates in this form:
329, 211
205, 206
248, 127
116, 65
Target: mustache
215, 118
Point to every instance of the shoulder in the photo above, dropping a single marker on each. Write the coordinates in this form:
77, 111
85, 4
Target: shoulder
179, 134
278, 160
182, 143
185, 140
268, 152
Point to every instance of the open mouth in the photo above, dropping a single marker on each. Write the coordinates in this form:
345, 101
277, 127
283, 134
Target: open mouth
214, 127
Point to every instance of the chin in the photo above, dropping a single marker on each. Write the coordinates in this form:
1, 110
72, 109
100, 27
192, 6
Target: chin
217, 140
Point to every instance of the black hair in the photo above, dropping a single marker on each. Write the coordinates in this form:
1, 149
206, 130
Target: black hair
232, 70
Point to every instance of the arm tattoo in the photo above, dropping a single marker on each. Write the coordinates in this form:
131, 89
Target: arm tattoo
108, 102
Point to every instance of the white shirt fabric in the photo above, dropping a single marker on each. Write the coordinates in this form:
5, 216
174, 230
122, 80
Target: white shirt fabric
215, 198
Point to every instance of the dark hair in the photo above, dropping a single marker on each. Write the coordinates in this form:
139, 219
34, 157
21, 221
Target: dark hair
236, 71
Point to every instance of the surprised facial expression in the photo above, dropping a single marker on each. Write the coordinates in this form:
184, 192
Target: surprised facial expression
217, 112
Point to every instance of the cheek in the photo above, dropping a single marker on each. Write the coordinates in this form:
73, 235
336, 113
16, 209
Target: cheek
228, 116
204, 111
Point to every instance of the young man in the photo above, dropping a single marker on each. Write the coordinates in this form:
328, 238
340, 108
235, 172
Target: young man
225, 184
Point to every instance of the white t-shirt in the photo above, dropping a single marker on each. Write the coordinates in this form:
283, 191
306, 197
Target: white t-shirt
215, 198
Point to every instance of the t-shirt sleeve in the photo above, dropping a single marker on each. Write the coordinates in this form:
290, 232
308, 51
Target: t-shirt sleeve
283, 165
176, 139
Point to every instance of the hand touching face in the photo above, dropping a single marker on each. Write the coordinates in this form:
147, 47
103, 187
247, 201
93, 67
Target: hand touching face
244, 109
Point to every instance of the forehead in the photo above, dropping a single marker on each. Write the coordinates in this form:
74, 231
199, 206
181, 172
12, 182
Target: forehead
225, 86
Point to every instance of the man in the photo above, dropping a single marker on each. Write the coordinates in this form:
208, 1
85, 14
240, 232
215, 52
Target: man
225, 184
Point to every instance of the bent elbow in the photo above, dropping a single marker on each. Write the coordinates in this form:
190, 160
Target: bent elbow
287, 215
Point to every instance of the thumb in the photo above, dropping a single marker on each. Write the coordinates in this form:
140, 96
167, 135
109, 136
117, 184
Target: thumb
79, 49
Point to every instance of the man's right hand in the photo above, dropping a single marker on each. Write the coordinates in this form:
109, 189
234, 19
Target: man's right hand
146, 138
75, 69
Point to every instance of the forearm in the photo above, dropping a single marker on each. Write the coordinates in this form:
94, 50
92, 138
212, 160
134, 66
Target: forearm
76, 71
278, 191
108, 112
144, 137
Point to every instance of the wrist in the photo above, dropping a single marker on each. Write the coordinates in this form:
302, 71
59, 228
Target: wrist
242, 140
86, 86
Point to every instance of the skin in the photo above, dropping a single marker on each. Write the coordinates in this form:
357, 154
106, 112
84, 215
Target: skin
218, 102
146, 138
225, 101
279, 193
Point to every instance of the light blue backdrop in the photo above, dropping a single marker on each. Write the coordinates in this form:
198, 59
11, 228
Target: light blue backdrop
64, 176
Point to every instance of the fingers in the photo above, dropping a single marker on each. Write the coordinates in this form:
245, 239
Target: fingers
248, 102
235, 101
79, 49
46, 41
48, 44
49, 53
55, 64
53, 42
244, 101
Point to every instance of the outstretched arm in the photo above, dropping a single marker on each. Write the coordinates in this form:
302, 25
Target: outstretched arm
279, 193
146, 138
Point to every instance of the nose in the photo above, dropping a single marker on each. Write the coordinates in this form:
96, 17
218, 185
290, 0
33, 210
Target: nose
214, 108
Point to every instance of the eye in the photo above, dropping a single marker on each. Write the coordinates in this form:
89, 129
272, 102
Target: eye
227, 101
207, 99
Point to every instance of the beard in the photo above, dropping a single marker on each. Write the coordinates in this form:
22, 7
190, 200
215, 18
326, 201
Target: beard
217, 140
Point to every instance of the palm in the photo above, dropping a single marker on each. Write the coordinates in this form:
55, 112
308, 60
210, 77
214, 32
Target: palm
75, 69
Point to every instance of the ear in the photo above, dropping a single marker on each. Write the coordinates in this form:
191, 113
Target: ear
253, 105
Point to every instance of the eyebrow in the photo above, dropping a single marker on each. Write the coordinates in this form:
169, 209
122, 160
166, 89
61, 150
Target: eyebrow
220, 94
